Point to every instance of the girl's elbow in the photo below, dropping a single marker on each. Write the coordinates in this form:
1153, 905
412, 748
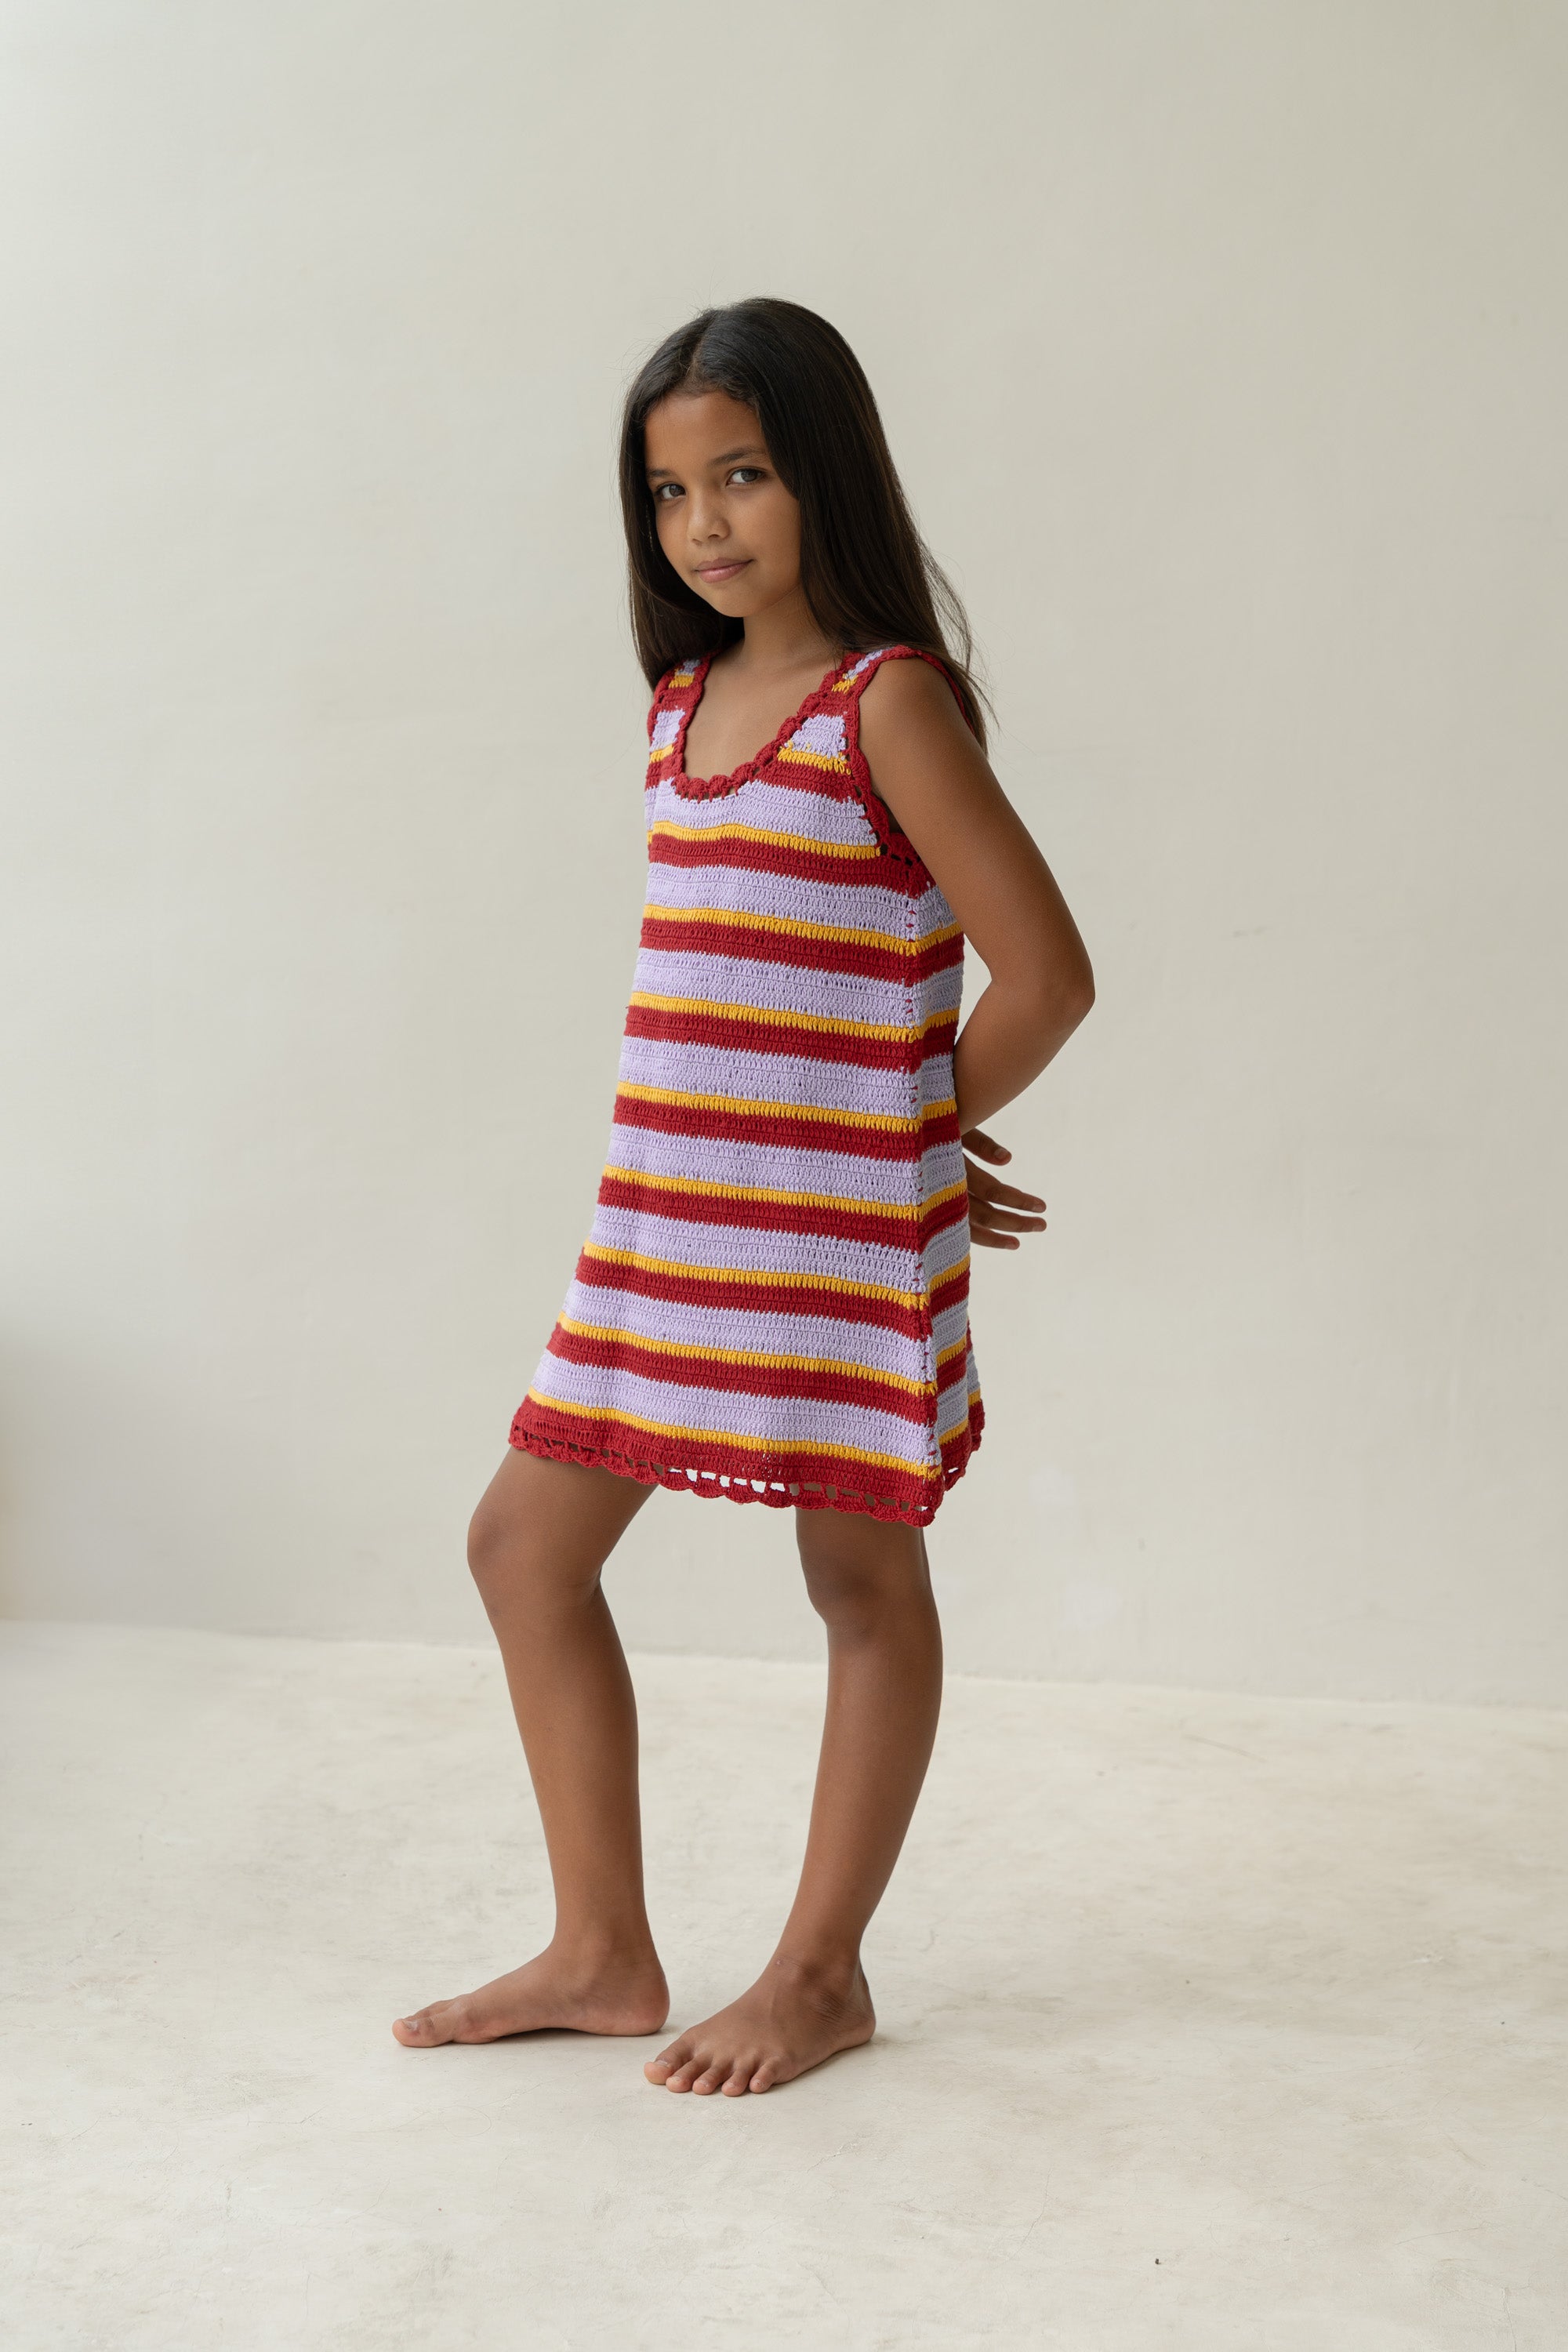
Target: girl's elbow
1066, 996
1051, 998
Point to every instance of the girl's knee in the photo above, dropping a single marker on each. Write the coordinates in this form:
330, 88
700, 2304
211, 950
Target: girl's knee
857, 1579
510, 1565
492, 1554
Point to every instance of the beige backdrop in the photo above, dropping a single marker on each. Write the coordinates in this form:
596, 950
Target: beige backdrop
1223, 348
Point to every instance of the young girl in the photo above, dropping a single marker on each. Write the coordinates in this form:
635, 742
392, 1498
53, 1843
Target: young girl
773, 1302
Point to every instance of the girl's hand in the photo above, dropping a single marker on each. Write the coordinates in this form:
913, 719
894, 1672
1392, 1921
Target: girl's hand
993, 1223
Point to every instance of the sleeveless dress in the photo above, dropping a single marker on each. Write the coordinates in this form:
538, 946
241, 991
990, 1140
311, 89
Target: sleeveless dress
773, 1302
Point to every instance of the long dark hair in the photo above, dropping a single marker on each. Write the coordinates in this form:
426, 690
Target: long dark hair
869, 578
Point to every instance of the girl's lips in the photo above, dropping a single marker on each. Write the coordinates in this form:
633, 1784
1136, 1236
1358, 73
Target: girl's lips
715, 571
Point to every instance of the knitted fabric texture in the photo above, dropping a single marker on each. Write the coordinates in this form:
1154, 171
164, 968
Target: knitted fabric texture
772, 1304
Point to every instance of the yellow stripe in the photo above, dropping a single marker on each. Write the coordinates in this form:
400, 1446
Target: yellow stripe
818, 1021
840, 934
876, 1119
815, 760
698, 1185
835, 1286
659, 752
741, 1355
723, 1437
761, 833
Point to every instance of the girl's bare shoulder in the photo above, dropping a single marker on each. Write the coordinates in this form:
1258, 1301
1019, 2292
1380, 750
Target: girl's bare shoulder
909, 688
913, 732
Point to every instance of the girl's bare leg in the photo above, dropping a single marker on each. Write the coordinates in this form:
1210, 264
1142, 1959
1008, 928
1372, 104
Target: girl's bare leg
542, 1533
870, 1583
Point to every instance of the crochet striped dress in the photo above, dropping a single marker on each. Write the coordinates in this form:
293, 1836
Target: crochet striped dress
772, 1304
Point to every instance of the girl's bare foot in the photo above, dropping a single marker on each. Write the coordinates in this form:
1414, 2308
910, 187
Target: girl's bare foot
606, 1993
794, 2017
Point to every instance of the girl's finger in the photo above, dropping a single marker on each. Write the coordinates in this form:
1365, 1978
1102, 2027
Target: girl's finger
986, 1188
996, 1220
983, 1146
990, 1213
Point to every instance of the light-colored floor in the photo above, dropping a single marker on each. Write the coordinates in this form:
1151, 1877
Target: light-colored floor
1206, 2021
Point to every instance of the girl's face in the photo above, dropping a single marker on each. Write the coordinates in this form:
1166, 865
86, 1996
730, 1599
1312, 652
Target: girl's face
725, 520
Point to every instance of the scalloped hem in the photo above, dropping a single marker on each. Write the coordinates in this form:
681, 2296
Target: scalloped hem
779, 1495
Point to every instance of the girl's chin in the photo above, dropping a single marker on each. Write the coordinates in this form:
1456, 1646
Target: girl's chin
737, 599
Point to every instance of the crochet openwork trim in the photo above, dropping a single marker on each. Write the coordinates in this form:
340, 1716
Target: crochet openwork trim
778, 1494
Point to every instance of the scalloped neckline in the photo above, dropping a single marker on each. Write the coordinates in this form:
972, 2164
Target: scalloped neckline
704, 788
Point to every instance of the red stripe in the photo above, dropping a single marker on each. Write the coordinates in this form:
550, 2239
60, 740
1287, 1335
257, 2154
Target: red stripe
948, 1289
944, 1216
776, 857
805, 776
740, 1032
894, 1227
759, 1294
786, 1131
827, 1385
759, 945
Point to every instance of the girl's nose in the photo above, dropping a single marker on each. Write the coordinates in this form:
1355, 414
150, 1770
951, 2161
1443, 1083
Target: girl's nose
706, 521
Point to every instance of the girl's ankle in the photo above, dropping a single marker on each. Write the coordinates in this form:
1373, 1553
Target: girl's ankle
833, 1967
598, 1950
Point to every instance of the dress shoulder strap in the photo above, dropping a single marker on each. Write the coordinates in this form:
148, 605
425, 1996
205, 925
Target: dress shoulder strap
861, 671
672, 698
852, 684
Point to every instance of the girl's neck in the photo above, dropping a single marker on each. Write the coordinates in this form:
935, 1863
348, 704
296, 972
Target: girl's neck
783, 638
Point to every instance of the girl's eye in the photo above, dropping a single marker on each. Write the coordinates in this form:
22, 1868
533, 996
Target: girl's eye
659, 496
744, 474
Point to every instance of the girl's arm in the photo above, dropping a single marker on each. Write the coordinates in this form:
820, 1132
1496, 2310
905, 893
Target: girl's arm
940, 785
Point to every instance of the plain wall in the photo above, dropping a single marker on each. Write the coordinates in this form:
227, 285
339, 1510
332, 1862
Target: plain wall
1223, 350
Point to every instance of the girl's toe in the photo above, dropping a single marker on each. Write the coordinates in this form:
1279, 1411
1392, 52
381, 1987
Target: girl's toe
710, 2078
740, 2081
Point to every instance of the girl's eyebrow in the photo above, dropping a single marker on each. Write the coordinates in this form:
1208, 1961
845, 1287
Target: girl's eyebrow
727, 458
